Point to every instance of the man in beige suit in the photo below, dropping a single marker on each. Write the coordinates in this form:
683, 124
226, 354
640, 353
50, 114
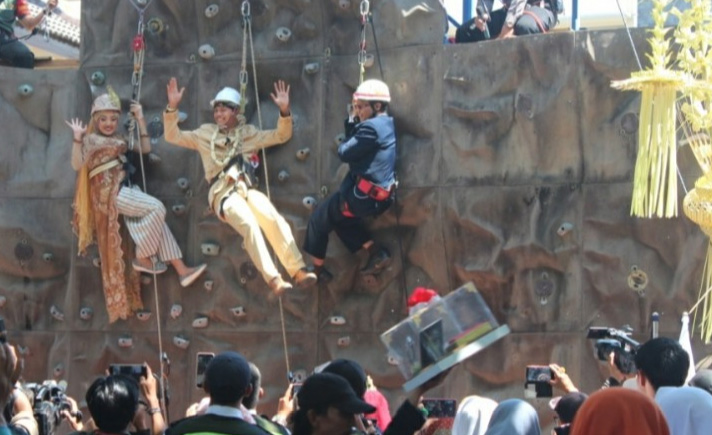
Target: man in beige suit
225, 148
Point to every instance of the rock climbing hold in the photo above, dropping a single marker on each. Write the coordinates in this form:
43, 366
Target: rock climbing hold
178, 209
337, 320
86, 313
323, 191
200, 322
303, 154
182, 116
155, 26
23, 350
48, 256
25, 90
206, 51
343, 341
637, 280
181, 342
283, 34
629, 124
154, 158
58, 371
339, 139
23, 250
208, 284
3, 301
564, 228
309, 202
312, 68
96, 261
345, 4
211, 11
544, 287
392, 360
155, 128
299, 375
176, 311
143, 315
97, 78
183, 183
283, 175
368, 61
248, 272
238, 311
211, 249
56, 313
125, 341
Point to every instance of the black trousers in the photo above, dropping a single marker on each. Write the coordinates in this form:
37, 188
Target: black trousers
15, 52
329, 216
525, 25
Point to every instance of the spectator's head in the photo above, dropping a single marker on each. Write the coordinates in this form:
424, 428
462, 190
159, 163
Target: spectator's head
371, 98
565, 408
473, 416
661, 362
8, 371
250, 400
702, 379
105, 113
327, 406
514, 417
619, 411
688, 410
227, 379
226, 107
112, 402
351, 371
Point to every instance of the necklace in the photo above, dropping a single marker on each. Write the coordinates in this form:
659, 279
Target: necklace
234, 146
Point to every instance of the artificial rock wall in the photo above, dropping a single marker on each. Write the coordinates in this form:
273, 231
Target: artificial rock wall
515, 161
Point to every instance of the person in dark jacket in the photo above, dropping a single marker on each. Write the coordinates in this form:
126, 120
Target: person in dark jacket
368, 188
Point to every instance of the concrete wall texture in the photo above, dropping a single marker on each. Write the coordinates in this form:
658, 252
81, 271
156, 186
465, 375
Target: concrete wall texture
515, 162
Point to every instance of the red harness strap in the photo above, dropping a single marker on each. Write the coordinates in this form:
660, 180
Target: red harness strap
373, 190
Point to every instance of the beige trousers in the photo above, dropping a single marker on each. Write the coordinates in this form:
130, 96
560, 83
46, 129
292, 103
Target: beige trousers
247, 216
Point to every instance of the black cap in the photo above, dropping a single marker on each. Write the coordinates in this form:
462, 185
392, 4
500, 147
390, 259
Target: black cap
227, 375
703, 379
322, 390
351, 371
567, 406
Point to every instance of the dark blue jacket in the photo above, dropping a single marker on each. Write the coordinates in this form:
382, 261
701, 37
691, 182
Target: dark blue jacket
371, 151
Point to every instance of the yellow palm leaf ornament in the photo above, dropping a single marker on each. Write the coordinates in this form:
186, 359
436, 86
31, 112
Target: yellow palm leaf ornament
655, 177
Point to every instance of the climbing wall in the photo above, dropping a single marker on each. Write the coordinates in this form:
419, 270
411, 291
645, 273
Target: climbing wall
515, 162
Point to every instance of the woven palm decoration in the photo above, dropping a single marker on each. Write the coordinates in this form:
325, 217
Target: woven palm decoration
694, 36
655, 177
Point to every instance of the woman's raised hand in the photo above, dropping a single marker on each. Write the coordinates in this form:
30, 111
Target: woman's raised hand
78, 128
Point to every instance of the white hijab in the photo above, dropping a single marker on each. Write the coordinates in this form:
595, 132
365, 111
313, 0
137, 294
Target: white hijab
688, 410
473, 416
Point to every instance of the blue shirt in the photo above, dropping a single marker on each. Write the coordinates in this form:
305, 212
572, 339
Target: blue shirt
371, 151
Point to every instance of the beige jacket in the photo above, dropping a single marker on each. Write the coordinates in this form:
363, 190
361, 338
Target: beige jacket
252, 139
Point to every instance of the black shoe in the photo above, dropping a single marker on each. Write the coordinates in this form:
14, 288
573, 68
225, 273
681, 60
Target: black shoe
322, 274
377, 261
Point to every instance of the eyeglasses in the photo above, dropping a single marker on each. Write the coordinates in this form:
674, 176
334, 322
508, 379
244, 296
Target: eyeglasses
358, 106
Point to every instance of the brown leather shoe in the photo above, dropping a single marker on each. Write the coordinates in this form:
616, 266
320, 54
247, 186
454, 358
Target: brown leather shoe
278, 287
304, 278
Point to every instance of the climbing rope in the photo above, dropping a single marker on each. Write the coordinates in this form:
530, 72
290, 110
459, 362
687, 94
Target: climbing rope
139, 55
362, 56
247, 40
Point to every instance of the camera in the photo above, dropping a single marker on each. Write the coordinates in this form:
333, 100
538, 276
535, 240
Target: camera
538, 380
202, 359
440, 408
132, 370
48, 401
618, 342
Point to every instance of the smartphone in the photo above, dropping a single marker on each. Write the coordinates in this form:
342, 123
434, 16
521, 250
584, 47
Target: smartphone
538, 382
440, 408
295, 388
133, 370
201, 363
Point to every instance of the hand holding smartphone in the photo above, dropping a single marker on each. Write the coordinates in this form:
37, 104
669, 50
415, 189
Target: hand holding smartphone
201, 363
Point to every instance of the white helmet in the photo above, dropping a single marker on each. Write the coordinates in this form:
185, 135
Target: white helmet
373, 90
227, 95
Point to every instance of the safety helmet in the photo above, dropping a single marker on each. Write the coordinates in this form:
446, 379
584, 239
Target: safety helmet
373, 90
106, 102
227, 95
